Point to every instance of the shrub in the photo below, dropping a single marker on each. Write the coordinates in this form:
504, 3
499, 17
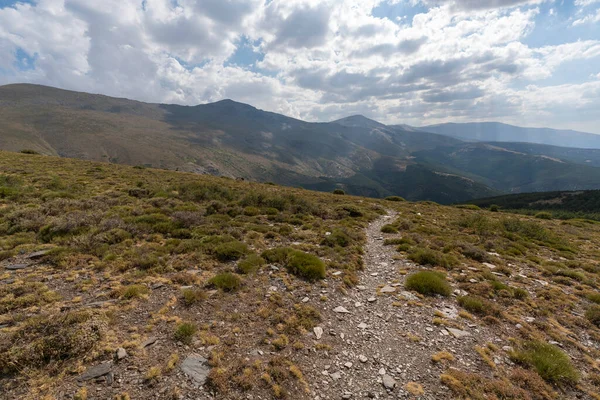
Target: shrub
305, 265
29, 151
494, 208
428, 283
425, 256
395, 198
520, 294
593, 297
472, 304
184, 332
192, 296
468, 207
550, 362
230, 251
593, 315
134, 291
277, 255
338, 237
474, 253
251, 263
226, 281
388, 228
543, 215
251, 211
339, 191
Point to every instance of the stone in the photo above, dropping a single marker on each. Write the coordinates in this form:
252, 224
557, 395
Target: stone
490, 266
348, 365
150, 341
388, 289
318, 332
121, 353
457, 333
388, 382
95, 372
196, 367
337, 273
347, 396
38, 254
15, 267
361, 287
341, 310
372, 299
336, 376
305, 300
362, 325
363, 359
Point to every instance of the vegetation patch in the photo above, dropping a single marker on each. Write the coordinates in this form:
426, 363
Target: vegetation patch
550, 362
226, 281
428, 283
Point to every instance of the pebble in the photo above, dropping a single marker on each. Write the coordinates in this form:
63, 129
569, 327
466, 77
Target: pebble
341, 310
388, 382
318, 332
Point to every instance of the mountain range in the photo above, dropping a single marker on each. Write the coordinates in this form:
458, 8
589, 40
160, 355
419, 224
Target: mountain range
441, 163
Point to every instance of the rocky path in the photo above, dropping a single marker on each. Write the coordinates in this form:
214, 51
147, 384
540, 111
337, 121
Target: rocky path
383, 338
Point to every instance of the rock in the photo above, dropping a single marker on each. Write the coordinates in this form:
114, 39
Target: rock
457, 333
347, 396
348, 365
305, 300
157, 286
362, 325
388, 289
336, 376
362, 359
490, 266
318, 332
372, 299
15, 267
196, 367
95, 372
361, 287
38, 254
121, 353
381, 371
150, 341
408, 295
388, 382
341, 310
337, 273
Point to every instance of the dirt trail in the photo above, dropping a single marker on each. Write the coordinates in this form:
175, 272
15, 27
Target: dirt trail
389, 338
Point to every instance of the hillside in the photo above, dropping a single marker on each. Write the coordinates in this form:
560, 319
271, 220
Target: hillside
226, 138
511, 171
498, 132
584, 204
119, 282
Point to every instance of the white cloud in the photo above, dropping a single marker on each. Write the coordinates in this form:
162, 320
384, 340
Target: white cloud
589, 18
322, 59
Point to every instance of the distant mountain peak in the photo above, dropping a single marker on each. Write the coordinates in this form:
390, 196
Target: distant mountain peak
359, 121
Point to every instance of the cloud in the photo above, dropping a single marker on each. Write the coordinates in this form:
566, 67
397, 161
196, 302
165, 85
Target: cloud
312, 59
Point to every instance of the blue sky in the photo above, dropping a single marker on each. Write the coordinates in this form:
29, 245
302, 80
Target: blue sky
525, 62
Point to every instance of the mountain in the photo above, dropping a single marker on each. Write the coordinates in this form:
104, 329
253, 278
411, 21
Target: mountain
589, 157
227, 138
498, 132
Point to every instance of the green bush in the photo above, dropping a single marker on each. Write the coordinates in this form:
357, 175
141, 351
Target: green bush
593, 297
473, 304
388, 228
593, 315
192, 296
428, 283
543, 215
251, 263
226, 281
338, 237
278, 255
474, 253
468, 207
394, 198
339, 191
426, 256
251, 211
520, 294
230, 251
134, 291
184, 332
494, 208
305, 265
550, 362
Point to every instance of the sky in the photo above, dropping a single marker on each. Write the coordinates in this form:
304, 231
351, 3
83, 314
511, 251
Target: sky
416, 62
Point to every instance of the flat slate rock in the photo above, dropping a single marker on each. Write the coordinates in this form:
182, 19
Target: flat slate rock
340, 310
457, 333
95, 372
388, 289
196, 367
38, 254
14, 267
149, 341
